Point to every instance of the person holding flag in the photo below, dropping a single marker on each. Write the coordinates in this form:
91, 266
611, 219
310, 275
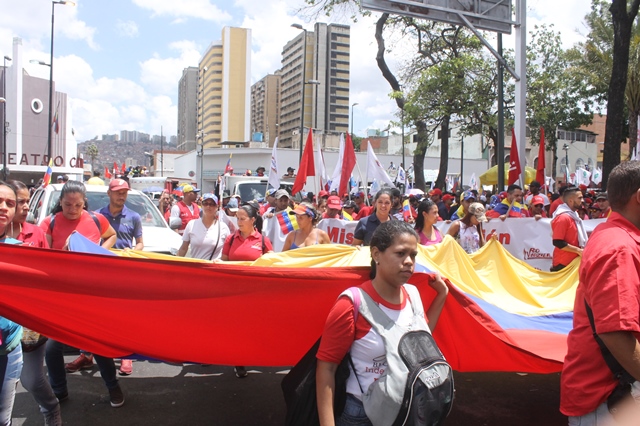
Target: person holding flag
511, 206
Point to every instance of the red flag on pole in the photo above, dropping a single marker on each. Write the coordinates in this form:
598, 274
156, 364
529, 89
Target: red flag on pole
514, 164
540, 177
115, 169
307, 167
348, 163
107, 174
124, 168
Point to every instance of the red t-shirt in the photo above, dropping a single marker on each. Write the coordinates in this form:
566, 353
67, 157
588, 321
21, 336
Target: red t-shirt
554, 205
246, 249
610, 283
563, 227
339, 331
63, 227
32, 236
364, 211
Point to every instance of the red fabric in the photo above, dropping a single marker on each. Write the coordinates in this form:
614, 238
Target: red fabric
307, 167
227, 314
107, 173
348, 163
246, 249
32, 235
514, 166
63, 227
554, 205
540, 177
115, 169
185, 214
610, 283
563, 227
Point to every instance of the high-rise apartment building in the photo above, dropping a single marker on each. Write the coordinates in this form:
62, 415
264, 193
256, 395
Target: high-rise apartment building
187, 109
224, 89
326, 53
265, 107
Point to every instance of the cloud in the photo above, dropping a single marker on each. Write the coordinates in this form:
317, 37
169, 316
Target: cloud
161, 75
127, 28
202, 9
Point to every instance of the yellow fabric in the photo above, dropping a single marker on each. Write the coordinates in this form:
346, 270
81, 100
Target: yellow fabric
490, 177
491, 273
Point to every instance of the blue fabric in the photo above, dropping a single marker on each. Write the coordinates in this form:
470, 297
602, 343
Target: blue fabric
353, 414
10, 369
128, 225
80, 243
501, 208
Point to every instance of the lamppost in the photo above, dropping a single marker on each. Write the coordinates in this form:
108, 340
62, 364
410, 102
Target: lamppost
200, 153
4, 119
404, 165
50, 123
565, 147
352, 107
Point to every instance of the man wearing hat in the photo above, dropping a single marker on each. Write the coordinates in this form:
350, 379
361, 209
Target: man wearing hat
435, 195
466, 198
60, 179
363, 209
290, 173
186, 209
602, 201
270, 202
260, 171
334, 208
282, 200
534, 188
128, 227
536, 208
349, 210
444, 206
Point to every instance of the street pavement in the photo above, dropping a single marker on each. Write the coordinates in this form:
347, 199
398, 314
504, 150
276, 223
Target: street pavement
192, 394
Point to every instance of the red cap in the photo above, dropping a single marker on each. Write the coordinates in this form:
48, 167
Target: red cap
446, 197
118, 184
436, 191
537, 200
583, 187
323, 193
333, 202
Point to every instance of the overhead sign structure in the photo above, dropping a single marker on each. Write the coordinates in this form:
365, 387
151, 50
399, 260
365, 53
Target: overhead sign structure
490, 15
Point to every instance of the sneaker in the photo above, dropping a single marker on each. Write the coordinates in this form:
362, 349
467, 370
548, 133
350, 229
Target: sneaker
83, 362
53, 418
116, 397
241, 373
126, 367
62, 396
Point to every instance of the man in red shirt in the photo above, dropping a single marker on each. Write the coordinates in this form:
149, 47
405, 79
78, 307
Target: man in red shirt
602, 200
569, 235
363, 209
610, 286
536, 209
186, 209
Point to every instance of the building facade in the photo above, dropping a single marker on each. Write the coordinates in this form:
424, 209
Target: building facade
323, 55
187, 109
265, 107
224, 89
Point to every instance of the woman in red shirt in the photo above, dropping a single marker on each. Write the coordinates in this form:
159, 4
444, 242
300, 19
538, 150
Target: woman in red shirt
20, 229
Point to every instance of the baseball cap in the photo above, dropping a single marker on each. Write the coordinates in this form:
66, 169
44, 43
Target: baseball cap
189, 188
359, 194
300, 209
349, 204
210, 196
60, 177
261, 167
467, 195
271, 192
436, 191
537, 200
602, 196
478, 211
333, 202
291, 169
281, 193
446, 197
323, 193
118, 184
232, 205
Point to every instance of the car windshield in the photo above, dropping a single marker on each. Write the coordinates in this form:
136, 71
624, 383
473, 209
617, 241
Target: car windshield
252, 190
139, 203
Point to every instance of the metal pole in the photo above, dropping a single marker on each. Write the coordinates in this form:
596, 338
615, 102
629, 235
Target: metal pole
404, 165
521, 85
304, 76
461, 160
500, 141
50, 122
161, 154
4, 120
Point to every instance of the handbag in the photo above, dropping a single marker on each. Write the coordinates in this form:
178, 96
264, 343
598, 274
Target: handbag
31, 340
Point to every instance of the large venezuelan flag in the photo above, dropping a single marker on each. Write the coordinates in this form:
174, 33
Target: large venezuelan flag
501, 315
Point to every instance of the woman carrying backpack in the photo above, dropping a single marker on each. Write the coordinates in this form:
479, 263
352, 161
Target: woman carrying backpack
394, 246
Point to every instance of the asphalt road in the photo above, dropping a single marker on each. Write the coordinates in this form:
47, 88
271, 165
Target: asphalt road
168, 394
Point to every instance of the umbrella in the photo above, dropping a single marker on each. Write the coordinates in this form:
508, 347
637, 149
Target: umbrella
416, 191
490, 177
153, 189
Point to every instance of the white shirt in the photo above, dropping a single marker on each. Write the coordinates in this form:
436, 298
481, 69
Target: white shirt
202, 240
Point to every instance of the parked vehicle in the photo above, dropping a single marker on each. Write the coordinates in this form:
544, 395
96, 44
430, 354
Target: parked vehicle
156, 234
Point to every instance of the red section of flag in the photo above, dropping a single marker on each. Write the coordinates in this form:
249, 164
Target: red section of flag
348, 163
115, 168
307, 167
514, 164
228, 168
541, 159
46, 180
107, 174
124, 168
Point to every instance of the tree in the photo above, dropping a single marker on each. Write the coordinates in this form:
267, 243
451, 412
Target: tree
555, 92
92, 151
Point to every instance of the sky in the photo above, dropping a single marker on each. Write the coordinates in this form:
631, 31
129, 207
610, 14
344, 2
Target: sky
120, 60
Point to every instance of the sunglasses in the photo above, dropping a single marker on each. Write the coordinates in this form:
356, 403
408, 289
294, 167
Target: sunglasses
209, 204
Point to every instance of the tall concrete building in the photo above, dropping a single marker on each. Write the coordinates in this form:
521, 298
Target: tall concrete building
187, 109
265, 107
224, 89
326, 53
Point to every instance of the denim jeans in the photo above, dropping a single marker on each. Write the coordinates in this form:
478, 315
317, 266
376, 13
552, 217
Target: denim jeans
54, 358
353, 414
35, 381
10, 368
